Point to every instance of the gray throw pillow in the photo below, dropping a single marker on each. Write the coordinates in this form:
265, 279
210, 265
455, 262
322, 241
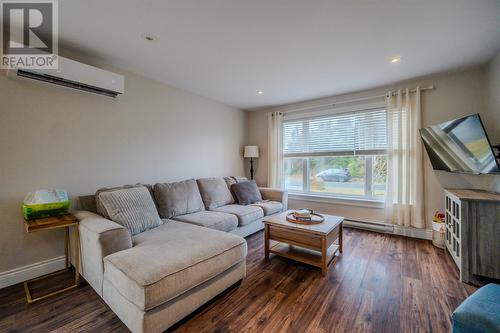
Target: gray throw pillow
131, 207
178, 198
214, 192
100, 208
247, 192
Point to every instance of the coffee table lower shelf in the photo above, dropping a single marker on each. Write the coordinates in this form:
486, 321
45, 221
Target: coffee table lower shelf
302, 254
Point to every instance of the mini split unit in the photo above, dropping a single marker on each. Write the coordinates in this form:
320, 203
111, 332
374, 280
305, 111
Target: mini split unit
75, 75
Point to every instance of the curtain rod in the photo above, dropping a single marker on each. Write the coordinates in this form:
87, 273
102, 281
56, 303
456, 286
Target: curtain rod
394, 93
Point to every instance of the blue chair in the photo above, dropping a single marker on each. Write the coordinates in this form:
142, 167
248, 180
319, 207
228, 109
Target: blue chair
480, 312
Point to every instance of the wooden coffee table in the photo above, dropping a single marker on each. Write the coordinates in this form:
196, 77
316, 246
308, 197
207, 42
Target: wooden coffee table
315, 244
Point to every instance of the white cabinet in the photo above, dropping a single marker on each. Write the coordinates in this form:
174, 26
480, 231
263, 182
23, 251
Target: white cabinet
453, 227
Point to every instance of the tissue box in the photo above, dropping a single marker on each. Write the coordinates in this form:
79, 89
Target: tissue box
45, 203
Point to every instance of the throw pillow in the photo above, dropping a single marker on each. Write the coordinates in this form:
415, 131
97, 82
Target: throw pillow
131, 207
247, 192
100, 208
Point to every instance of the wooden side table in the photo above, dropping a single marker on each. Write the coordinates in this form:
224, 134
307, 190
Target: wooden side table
65, 221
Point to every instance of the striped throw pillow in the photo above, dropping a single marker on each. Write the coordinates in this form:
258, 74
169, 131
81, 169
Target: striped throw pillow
131, 207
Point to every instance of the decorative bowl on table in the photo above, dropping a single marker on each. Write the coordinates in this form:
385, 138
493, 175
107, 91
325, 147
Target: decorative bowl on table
305, 216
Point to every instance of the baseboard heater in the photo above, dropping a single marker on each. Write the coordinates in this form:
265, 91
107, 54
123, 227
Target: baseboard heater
371, 226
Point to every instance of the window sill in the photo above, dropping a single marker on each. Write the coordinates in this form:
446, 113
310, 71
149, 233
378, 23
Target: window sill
361, 202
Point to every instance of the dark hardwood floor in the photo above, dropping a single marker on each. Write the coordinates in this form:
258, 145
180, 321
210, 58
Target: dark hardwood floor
381, 283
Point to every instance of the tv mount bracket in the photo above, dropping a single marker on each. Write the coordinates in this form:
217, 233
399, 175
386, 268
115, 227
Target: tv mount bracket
497, 148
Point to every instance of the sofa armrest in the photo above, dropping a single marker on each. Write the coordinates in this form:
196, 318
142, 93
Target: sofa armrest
275, 195
99, 237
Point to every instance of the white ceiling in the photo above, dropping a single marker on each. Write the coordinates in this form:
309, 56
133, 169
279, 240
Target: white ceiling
292, 50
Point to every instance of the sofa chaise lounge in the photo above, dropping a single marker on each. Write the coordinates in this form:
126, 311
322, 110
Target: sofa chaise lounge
157, 253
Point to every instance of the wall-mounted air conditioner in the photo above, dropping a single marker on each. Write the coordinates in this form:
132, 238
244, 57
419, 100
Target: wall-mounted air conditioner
75, 75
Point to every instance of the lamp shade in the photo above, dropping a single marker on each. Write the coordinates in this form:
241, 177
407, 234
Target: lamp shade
251, 151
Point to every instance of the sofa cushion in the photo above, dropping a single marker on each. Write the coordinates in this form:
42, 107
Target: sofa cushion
269, 207
99, 208
210, 219
230, 181
170, 260
131, 207
245, 214
240, 178
246, 192
214, 192
178, 198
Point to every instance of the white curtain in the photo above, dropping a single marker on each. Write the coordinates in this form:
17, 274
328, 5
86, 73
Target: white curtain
404, 199
275, 150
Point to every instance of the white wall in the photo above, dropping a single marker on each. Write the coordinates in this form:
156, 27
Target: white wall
493, 103
456, 95
493, 98
51, 137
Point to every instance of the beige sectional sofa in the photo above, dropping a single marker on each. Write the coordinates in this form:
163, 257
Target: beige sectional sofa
152, 277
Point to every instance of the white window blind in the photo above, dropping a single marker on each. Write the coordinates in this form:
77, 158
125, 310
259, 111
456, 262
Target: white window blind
353, 133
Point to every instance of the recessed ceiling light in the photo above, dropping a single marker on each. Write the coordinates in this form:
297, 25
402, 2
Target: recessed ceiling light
259, 92
395, 60
149, 37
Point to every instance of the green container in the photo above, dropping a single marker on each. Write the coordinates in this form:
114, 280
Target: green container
38, 211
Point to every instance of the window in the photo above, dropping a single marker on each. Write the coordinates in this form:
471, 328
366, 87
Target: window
339, 155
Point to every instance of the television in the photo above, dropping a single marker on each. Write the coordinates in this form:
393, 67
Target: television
460, 145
